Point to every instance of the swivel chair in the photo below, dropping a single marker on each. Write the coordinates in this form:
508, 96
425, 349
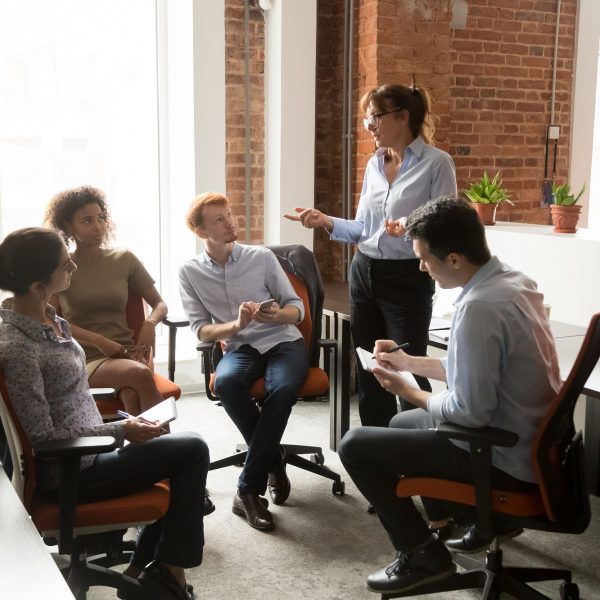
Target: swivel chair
301, 268
560, 503
91, 534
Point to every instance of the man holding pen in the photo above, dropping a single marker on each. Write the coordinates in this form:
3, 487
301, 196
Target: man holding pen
501, 371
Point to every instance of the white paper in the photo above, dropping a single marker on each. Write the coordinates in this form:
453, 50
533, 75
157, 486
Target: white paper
438, 323
368, 363
164, 412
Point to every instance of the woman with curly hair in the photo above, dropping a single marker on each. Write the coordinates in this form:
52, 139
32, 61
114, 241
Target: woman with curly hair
95, 302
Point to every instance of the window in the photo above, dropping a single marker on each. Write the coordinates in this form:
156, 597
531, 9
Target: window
88, 97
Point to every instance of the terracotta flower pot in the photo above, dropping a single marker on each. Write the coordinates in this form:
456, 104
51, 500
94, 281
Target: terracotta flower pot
486, 212
565, 218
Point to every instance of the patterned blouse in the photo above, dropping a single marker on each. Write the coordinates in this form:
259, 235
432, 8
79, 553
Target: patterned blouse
47, 383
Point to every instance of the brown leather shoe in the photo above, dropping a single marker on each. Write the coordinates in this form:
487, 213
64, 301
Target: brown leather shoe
279, 485
250, 506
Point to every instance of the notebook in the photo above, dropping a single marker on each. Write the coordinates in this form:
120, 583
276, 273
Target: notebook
369, 363
164, 412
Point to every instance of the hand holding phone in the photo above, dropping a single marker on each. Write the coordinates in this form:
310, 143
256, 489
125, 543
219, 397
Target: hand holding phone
264, 306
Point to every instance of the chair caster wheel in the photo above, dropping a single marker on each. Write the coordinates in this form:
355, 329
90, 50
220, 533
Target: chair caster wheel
569, 591
318, 459
338, 488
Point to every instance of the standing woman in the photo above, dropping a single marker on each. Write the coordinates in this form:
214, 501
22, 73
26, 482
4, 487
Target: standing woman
95, 303
390, 297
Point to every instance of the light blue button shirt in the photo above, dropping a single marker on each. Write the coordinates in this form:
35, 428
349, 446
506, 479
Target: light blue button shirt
426, 173
212, 293
501, 368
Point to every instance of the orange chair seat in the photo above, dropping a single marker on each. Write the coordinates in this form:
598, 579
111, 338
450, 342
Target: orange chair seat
147, 505
521, 504
165, 387
315, 384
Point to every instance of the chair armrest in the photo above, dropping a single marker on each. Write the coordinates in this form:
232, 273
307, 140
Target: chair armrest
207, 366
487, 436
175, 322
173, 325
75, 447
481, 440
69, 452
103, 393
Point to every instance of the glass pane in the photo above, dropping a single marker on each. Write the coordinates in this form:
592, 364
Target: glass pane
78, 92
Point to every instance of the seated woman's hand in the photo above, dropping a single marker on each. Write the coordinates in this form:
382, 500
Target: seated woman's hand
145, 343
110, 348
137, 431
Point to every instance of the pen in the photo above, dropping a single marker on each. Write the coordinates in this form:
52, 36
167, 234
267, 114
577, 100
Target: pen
122, 413
396, 348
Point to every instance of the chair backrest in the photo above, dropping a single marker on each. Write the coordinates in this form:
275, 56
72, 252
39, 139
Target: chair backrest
557, 450
135, 311
24, 469
303, 272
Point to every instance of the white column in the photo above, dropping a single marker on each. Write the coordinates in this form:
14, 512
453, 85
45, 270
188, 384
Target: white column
290, 73
209, 95
584, 108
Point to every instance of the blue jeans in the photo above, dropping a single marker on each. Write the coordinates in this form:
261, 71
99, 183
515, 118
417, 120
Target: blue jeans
284, 368
183, 459
389, 299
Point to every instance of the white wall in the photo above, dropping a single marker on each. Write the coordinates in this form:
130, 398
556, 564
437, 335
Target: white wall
565, 266
584, 108
290, 80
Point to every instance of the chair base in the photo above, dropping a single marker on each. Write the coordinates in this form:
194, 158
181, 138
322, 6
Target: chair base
291, 457
493, 579
83, 571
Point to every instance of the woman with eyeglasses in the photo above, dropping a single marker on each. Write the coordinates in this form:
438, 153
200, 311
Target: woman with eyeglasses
390, 297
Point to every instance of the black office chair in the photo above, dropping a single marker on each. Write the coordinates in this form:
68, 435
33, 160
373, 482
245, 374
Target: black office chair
301, 268
560, 503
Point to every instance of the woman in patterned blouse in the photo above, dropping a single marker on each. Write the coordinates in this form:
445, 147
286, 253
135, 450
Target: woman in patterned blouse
44, 369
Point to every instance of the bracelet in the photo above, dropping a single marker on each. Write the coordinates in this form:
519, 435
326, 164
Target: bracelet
151, 322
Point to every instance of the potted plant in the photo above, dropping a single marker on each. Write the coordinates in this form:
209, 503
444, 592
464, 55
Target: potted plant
565, 210
485, 195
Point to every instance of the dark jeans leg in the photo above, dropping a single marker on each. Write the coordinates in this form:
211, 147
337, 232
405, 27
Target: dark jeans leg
390, 299
284, 368
183, 459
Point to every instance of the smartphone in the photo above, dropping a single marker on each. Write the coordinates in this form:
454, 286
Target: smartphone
266, 304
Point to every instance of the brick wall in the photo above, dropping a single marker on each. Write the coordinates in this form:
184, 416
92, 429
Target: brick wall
235, 117
490, 84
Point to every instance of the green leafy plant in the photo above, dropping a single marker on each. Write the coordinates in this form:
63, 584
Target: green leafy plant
487, 191
562, 194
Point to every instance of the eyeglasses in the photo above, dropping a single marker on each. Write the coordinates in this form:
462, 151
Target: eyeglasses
372, 121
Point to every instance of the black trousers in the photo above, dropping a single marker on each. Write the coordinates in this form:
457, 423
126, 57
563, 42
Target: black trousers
389, 299
374, 457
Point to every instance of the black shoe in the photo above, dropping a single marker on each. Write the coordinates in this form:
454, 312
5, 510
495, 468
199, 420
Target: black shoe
450, 530
158, 580
279, 485
472, 542
249, 505
412, 568
209, 507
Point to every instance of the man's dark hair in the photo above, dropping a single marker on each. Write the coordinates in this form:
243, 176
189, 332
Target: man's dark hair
450, 225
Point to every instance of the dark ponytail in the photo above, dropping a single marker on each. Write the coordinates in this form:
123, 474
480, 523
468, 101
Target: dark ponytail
28, 255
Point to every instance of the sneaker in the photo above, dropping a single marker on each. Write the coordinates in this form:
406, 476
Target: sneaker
426, 563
